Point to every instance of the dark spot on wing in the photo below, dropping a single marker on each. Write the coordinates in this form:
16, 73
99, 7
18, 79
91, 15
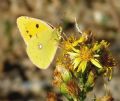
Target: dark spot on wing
30, 36
37, 25
27, 31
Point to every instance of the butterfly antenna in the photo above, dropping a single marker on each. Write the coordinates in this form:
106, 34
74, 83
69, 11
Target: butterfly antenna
77, 26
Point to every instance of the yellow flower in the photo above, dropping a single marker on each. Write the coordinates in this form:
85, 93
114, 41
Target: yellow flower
80, 57
72, 42
97, 46
68, 43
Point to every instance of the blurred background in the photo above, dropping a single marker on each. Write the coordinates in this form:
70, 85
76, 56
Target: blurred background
20, 80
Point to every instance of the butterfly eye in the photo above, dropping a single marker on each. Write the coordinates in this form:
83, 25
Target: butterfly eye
37, 25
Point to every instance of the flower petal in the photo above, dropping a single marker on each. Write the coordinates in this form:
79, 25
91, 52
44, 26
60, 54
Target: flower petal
79, 68
96, 55
80, 40
96, 47
82, 66
96, 63
73, 55
76, 62
104, 43
75, 50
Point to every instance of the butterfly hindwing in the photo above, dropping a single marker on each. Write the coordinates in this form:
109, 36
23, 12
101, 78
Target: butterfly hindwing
41, 50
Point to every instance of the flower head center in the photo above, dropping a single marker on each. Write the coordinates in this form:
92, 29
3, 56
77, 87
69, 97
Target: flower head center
85, 54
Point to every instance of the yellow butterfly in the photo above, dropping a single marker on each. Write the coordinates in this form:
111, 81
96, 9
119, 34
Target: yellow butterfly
41, 40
